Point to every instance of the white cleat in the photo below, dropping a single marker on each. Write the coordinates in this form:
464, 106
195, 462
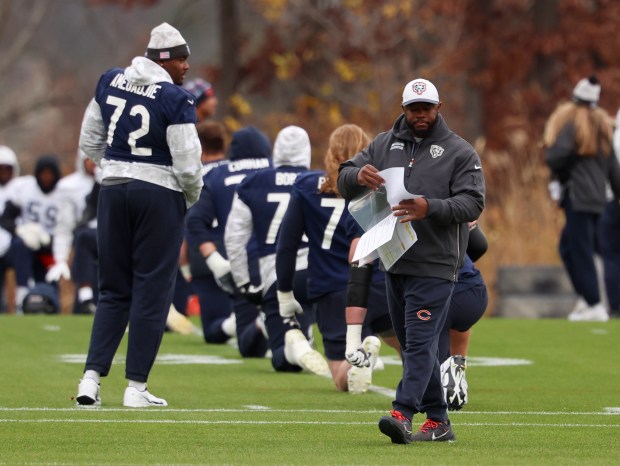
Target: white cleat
454, 383
297, 351
360, 378
595, 313
229, 325
88, 393
261, 325
134, 398
178, 323
372, 346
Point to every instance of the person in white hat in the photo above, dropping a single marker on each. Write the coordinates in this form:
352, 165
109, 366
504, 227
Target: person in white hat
257, 210
140, 129
578, 141
445, 173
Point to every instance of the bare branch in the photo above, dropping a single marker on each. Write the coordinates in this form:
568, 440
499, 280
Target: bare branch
25, 35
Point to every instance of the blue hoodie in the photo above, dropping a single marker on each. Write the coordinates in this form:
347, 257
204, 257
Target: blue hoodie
249, 151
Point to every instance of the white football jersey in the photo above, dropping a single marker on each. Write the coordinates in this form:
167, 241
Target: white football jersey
73, 189
5, 236
36, 206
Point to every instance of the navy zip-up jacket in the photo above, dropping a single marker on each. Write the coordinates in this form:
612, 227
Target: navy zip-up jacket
447, 172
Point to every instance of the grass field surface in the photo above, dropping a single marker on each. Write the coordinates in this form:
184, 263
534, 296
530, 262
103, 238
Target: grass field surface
541, 392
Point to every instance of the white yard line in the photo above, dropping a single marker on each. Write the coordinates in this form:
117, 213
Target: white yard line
287, 422
266, 409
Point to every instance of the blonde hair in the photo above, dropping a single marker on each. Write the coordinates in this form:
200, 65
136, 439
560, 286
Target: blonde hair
344, 142
593, 128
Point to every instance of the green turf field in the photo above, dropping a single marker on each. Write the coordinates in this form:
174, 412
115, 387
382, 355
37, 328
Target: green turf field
557, 402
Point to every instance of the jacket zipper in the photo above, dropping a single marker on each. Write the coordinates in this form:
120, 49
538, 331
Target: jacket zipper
413, 152
458, 253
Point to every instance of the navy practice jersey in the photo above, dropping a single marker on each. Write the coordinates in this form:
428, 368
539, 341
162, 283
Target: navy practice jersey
354, 230
267, 194
323, 218
206, 219
136, 117
207, 167
469, 276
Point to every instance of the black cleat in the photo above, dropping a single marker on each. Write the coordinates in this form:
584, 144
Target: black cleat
397, 427
434, 431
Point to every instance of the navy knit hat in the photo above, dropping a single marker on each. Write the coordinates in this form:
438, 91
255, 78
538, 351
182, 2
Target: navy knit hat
249, 143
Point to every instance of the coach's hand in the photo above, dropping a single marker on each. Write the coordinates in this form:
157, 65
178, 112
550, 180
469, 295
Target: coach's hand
369, 176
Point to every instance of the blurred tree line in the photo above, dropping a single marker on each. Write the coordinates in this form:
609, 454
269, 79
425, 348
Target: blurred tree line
501, 66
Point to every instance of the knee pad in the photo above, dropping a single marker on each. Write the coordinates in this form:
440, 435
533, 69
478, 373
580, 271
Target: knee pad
358, 285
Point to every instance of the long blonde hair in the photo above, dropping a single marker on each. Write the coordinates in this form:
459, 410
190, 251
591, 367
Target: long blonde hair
344, 142
593, 128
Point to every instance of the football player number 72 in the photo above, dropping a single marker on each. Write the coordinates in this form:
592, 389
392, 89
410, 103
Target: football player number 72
141, 110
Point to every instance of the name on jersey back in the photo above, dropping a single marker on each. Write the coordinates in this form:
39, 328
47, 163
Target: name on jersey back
149, 91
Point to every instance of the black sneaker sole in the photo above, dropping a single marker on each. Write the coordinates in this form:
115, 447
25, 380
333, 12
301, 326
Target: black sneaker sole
392, 429
85, 400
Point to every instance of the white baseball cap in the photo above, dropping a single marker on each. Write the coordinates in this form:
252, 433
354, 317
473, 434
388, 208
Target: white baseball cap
420, 90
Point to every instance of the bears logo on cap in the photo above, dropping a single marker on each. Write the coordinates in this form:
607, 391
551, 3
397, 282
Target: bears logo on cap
419, 87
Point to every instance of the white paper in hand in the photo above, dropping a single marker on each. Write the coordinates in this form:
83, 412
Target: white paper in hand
395, 185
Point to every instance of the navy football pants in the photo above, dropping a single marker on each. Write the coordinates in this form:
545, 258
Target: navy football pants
419, 307
139, 233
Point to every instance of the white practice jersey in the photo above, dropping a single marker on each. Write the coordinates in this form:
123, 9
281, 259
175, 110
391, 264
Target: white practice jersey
5, 236
71, 190
36, 206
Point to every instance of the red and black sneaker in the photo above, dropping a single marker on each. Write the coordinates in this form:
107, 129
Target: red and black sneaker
434, 431
397, 427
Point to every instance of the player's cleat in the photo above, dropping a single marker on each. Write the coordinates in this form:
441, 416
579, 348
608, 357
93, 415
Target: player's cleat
135, 398
379, 365
360, 378
229, 325
372, 346
434, 431
297, 351
454, 383
261, 325
397, 427
178, 323
88, 393
595, 313
86, 307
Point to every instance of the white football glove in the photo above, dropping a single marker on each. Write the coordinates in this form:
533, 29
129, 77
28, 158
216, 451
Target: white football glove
33, 235
57, 271
220, 268
358, 358
354, 353
289, 306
